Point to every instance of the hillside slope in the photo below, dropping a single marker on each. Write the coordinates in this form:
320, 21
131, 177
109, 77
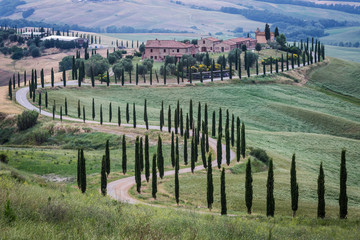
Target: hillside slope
195, 16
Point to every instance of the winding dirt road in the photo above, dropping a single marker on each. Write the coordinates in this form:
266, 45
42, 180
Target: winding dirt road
118, 189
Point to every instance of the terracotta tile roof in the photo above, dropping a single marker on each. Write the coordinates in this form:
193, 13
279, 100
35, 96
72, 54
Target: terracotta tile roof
212, 39
166, 44
234, 41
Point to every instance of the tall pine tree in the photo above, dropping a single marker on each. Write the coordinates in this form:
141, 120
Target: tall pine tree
248, 187
321, 193
223, 193
210, 186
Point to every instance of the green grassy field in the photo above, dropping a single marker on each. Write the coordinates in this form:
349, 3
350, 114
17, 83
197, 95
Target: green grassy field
310, 149
268, 107
339, 76
346, 53
46, 211
348, 34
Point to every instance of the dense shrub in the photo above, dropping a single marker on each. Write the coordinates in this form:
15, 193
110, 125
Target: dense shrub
35, 52
260, 154
41, 136
66, 63
17, 55
4, 158
27, 120
5, 134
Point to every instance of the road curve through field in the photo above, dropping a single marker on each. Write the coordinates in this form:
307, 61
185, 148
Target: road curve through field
118, 189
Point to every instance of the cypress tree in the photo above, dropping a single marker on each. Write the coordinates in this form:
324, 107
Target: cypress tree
147, 160
150, 76
78, 178
227, 139
122, 77
162, 115
203, 148
137, 74
24, 78
53, 110
134, 116
282, 62
46, 100
294, 187
220, 122
93, 109
42, 78
14, 81
127, 113
223, 193
243, 142
103, 176
210, 186
110, 112
321, 193
165, 73
191, 113
107, 157
35, 79
160, 158
78, 109
199, 119
92, 77
154, 177
64, 78
248, 187
145, 116
221, 73
169, 119
181, 123
83, 172
172, 150
187, 129
107, 78
84, 114
219, 151
119, 116
175, 121
66, 106
212, 71
213, 134
232, 130
270, 201
137, 166
177, 176
124, 157
34, 97
18, 79
10, 90
101, 115
185, 151
343, 199
192, 154
206, 118
238, 139
141, 155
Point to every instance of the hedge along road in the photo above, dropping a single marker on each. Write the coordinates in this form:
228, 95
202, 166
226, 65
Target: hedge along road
119, 189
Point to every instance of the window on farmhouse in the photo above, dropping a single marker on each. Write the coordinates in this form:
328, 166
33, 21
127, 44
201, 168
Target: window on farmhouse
150, 50
177, 50
204, 42
164, 50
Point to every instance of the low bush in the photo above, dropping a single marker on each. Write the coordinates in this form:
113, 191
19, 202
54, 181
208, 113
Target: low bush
41, 136
260, 154
5, 134
27, 120
4, 158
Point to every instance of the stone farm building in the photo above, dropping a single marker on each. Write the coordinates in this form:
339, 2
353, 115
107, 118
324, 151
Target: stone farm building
159, 49
260, 36
211, 44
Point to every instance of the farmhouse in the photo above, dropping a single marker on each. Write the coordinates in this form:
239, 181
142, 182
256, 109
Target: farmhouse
159, 49
208, 44
230, 44
78, 40
28, 35
260, 36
